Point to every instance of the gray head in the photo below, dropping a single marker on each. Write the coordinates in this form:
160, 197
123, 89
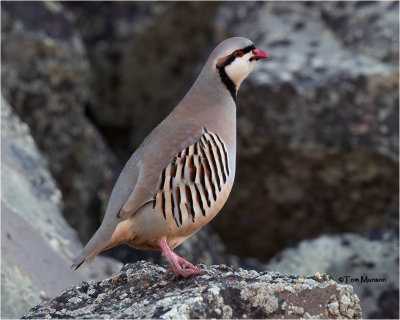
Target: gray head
233, 59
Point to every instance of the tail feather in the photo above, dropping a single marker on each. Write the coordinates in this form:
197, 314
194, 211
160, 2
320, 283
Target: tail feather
76, 265
109, 235
81, 258
99, 242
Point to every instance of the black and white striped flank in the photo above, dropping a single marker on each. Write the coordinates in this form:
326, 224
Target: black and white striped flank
192, 182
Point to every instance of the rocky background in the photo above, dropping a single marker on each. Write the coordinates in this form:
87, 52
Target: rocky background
317, 177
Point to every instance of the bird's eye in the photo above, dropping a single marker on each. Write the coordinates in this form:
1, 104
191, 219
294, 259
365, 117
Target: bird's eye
238, 53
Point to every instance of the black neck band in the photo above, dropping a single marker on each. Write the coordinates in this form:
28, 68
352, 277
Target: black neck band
227, 81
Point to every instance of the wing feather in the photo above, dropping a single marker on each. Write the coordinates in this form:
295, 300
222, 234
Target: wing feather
156, 153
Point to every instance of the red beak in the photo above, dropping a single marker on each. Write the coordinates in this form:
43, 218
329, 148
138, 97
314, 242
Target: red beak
258, 54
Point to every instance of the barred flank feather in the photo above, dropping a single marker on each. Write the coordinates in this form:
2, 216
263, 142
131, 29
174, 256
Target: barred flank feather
193, 181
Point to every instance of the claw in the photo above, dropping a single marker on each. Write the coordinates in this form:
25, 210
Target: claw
178, 266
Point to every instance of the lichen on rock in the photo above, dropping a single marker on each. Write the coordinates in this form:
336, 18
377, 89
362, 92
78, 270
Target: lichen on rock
144, 290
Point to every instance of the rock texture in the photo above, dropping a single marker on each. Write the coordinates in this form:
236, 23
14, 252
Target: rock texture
142, 290
352, 259
362, 29
317, 123
134, 48
37, 245
108, 30
45, 77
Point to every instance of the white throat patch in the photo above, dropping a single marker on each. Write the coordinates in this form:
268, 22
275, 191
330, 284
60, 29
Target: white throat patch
240, 68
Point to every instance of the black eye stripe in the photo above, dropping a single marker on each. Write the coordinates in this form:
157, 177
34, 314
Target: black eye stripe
231, 57
248, 49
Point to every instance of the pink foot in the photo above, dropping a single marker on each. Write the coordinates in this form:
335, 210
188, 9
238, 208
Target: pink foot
178, 265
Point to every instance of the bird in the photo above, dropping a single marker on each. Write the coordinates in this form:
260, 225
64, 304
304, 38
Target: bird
181, 175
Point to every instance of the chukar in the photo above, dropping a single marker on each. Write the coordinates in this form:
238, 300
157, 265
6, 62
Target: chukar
181, 175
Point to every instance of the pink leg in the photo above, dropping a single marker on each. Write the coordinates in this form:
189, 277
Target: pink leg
178, 265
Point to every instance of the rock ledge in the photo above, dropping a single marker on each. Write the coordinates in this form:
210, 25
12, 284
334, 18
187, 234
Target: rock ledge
143, 290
